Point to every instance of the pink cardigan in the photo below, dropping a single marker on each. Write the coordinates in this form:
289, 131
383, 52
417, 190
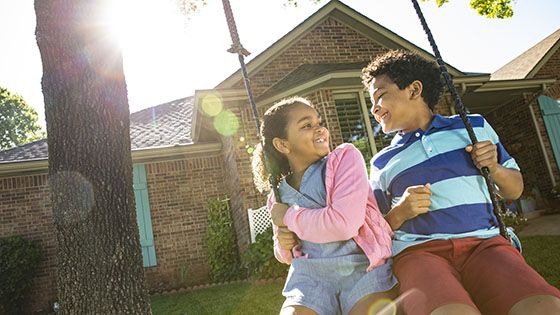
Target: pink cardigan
351, 211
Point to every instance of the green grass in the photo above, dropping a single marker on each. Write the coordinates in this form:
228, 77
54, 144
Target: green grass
541, 252
238, 298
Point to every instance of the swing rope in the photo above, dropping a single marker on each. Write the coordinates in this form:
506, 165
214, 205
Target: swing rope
460, 107
237, 48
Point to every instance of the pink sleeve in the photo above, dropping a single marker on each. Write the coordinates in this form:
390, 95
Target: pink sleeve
346, 203
282, 255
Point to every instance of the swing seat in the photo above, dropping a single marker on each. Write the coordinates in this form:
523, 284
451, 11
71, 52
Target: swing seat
515, 241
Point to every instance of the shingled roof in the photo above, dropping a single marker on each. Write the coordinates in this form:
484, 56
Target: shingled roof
529, 62
162, 125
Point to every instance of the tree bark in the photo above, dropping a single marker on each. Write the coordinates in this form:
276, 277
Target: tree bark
90, 166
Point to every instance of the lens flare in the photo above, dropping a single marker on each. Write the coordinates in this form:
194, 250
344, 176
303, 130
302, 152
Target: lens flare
79, 197
226, 123
345, 270
250, 149
383, 307
212, 105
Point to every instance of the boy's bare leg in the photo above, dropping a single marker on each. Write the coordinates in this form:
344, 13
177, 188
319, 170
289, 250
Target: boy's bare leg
452, 309
537, 304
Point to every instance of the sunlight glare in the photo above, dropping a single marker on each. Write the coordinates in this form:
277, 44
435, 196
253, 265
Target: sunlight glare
151, 34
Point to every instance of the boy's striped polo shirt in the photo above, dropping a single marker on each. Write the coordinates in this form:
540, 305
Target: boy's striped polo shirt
461, 205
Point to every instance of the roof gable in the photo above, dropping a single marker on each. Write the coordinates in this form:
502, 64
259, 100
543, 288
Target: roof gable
526, 65
332, 11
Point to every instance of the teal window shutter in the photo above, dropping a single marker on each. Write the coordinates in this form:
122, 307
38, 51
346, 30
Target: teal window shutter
551, 115
143, 215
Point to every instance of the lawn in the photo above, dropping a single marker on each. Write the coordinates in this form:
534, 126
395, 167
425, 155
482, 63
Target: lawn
541, 252
239, 298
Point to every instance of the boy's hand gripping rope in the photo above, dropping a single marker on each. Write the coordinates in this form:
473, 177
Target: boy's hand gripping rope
461, 110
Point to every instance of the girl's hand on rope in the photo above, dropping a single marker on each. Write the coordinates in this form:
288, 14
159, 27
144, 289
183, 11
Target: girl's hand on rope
415, 201
277, 213
484, 154
286, 238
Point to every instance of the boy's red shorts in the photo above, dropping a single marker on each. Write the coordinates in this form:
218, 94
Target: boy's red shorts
487, 272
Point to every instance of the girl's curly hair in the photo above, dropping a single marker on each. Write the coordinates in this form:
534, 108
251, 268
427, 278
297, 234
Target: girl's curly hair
404, 67
267, 162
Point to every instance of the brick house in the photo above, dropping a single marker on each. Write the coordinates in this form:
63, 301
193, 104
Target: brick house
180, 160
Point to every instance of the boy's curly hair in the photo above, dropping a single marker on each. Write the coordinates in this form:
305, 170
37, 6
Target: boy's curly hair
404, 67
267, 162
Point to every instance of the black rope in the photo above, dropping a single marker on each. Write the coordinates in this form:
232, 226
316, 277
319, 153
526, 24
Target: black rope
497, 208
237, 48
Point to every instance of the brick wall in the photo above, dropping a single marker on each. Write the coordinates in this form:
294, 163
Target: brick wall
26, 210
514, 125
329, 42
551, 68
178, 192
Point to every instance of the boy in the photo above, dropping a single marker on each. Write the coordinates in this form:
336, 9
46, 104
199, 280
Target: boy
448, 254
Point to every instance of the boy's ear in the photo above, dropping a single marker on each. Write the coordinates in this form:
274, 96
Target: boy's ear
415, 89
281, 145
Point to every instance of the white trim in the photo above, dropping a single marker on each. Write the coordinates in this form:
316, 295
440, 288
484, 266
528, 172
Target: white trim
513, 84
309, 84
371, 138
143, 154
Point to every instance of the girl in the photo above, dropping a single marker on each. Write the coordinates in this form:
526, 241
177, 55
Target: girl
342, 262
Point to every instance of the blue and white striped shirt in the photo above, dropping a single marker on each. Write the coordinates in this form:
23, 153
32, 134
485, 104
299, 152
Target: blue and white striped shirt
461, 205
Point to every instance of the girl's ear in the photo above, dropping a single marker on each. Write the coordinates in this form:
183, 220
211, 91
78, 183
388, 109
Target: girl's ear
281, 145
415, 89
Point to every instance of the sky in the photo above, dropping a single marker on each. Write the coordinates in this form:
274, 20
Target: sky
168, 56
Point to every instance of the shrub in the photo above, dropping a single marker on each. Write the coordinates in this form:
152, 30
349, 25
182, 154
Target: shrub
18, 262
223, 253
259, 260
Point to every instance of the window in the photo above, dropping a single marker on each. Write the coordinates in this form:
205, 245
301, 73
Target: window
357, 124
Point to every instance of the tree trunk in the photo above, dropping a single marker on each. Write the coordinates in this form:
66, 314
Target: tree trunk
90, 167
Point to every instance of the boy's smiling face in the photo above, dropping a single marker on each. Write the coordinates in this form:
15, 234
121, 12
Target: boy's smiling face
393, 108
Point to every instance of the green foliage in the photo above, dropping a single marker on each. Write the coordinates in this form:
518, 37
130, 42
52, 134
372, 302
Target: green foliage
20, 258
18, 121
187, 7
363, 146
515, 220
259, 258
500, 9
294, 3
223, 254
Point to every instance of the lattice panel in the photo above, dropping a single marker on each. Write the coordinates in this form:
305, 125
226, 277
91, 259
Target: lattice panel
259, 221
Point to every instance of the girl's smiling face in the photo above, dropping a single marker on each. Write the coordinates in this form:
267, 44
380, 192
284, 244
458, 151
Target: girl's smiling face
307, 139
